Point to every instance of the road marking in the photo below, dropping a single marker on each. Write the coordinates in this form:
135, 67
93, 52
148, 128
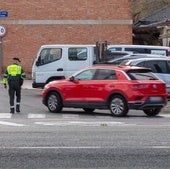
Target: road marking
11, 124
66, 116
161, 147
165, 115
36, 116
88, 147
5, 115
79, 123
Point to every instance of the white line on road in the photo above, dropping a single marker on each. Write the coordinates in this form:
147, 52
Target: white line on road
165, 115
5, 115
88, 147
79, 123
11, 124
36, 116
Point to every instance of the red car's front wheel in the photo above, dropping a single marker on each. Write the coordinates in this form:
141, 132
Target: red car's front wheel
54, 102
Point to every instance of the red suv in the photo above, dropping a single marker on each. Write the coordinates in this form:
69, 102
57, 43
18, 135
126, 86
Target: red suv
118, 88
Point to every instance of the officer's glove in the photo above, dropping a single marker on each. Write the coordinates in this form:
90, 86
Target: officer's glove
5, 86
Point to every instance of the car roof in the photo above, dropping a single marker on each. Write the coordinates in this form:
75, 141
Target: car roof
116, 67
136, 56
132, 61
152, 58
145, 55
124, 68
140, 46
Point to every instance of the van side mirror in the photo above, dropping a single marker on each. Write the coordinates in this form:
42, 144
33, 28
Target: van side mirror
37, 63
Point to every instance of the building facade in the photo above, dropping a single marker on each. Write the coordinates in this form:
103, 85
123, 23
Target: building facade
31, 23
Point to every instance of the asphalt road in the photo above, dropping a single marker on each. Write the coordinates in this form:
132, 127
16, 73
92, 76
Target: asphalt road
74, 139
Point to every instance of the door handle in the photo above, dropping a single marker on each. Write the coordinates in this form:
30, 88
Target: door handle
60, 69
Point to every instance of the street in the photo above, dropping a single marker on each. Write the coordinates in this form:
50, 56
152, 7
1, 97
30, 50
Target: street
36, 138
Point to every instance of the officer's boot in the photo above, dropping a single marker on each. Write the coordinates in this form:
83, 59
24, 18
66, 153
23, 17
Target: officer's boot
17, 108
12, 110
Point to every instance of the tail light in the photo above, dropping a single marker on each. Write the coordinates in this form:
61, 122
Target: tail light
139, 86
169, 53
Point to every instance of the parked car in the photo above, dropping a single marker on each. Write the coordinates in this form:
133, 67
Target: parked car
147, 49
159, 66
118, 88
115, 54
130, 57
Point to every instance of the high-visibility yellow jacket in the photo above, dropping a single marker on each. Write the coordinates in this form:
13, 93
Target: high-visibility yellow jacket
13, 72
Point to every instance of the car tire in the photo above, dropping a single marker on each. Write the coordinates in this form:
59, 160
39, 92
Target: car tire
118, 106
54, 102
88, 110
152, 112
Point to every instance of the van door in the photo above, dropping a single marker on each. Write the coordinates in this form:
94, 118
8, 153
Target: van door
49, 65
78, 58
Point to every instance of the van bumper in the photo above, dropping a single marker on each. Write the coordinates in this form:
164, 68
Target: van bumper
38, 85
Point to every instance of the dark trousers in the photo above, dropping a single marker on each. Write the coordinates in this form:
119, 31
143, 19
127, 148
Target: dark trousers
14, 90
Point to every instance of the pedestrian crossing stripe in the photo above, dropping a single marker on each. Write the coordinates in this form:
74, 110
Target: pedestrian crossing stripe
36, 116
11, 124
81, 123
64, 116
5, 115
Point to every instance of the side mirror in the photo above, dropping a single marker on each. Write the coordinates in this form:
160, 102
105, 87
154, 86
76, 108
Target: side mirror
37, 63
72, 78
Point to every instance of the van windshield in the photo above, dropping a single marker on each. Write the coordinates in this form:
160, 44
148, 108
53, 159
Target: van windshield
48, 55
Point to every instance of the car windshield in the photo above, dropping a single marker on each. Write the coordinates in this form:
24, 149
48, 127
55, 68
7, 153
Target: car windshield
141, 75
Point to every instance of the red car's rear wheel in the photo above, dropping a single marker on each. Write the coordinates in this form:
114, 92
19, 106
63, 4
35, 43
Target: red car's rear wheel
118, 106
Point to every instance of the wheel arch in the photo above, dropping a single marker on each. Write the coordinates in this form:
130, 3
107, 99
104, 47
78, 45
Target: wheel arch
52, 78
116, 93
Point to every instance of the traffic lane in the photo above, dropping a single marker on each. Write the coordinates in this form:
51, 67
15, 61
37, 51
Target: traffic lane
85, 147
31, 102
117, 136
92, 158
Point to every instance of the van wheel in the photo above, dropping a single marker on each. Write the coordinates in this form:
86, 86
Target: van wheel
118, 106
88, 110
54, 102
152, 112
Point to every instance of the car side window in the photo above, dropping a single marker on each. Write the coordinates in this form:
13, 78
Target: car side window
136, 50
86, 75
157, 66
141, 64
115, 49
105, 74
168, 66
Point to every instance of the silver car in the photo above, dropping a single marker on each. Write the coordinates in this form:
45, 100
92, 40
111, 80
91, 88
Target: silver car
159, 66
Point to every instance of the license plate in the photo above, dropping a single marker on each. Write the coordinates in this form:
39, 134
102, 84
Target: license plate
155, 99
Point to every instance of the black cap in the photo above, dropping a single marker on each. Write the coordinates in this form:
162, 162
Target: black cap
16, 59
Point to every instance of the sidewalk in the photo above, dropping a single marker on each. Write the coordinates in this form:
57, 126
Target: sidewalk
27, 84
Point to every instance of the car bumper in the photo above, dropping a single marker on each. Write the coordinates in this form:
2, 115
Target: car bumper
148, 104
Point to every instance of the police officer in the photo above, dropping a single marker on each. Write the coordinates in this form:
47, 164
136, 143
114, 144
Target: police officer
14, 76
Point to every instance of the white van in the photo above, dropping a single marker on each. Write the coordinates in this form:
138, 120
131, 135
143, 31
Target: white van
60, 61
158, 50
